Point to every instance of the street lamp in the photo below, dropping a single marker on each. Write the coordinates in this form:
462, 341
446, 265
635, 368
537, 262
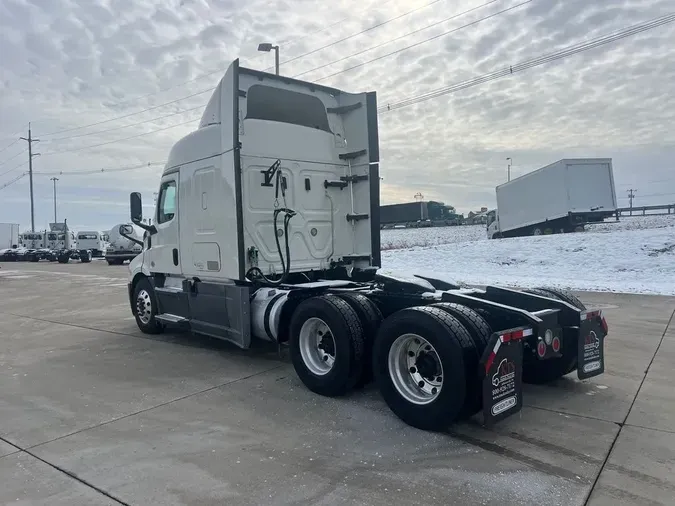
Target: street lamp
55, 179
266, 47
509, 168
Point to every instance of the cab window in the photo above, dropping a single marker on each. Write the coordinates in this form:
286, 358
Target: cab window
167, 202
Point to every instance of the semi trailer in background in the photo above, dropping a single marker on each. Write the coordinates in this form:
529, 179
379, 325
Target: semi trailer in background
9, 235
418, 214
559, 198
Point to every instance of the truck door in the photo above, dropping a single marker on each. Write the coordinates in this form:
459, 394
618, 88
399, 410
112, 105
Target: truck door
164, 256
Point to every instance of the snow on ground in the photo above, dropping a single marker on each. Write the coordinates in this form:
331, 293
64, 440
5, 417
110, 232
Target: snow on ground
636, 255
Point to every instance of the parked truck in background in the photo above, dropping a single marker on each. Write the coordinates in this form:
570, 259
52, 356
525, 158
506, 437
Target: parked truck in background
66, 247
559, 198
267, 226
124, 244
92, 240
418, 214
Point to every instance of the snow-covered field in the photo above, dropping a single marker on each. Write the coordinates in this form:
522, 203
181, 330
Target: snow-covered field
634, 255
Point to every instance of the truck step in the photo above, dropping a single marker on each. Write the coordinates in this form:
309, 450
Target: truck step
353, 154
356, 256
357, 217
335, 184
355, 178
170, 318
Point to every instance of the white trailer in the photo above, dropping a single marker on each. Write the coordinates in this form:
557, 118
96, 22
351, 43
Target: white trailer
561, 197
267, 226
9, 235
124, 243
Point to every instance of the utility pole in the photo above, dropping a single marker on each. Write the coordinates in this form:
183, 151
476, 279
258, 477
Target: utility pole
30, 141
55, 179
631, 196
508, 169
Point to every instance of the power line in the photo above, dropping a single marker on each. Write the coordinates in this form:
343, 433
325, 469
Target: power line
104, 170
534, 62
416, 44
13, 181
378, 25
13, 157
396, 38
10, 144
128, 126
119, 140
131, 114
14, 168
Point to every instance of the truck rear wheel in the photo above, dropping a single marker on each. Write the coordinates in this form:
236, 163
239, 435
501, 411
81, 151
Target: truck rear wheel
371, 319
64, 258
327, 345
480, 332
145, 308
419, 366
537, 371
85, 256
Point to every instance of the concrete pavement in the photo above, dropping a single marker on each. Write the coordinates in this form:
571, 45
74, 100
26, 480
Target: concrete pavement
94, 412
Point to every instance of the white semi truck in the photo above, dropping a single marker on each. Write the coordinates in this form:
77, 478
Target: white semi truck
64, 245
266, 227
124, 243
92, 240
559, 198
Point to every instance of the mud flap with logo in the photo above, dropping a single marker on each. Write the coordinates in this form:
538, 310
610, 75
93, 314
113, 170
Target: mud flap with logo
502, 366
591, 354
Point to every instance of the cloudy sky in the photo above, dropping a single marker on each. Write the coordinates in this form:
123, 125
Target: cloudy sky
67, 64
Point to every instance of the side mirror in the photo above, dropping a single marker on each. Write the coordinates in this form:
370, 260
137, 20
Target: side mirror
136, 205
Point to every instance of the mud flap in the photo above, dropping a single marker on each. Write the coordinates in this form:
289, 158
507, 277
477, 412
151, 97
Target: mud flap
502, 367
591, 344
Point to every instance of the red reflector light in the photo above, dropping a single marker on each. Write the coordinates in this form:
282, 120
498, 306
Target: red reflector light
556, 344
541, 348
506, 337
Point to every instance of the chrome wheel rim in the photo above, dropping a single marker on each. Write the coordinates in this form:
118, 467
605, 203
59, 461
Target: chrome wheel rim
144, 306
415, 369
317, 346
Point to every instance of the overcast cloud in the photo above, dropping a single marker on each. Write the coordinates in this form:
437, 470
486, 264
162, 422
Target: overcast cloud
69, 63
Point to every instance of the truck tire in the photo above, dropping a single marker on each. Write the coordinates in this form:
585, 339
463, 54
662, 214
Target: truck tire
85, 256
419, 366
480, 333
371, 319
327, 345
34, 258
537, 371
64, 258
144, 308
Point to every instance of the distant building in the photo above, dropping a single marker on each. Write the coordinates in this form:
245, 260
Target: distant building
478, 218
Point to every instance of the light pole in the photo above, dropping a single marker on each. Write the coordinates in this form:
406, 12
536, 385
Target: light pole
508, 170
55, 179
266, 47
